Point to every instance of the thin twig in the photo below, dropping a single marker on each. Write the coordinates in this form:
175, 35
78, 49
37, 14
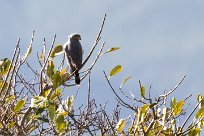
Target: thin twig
96, 41
116, 93
41, 72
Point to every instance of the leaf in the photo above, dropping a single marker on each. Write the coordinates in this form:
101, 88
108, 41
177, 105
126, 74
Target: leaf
4, 66
112, 49
173, 102
60, 123
144, 108
142, 91
19, 105
64, 75
46, 93
56, 94
115, 70
124, 81
10, 98
200, 99
200, 113
69, 103
51, 112
11, 124
37, 101
56, 51
5, 85
29, 50
178, 107
120, 125
50, 69
40, 110
56, 79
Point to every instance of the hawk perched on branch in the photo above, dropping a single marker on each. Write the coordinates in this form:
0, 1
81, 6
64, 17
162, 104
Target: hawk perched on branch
73, 51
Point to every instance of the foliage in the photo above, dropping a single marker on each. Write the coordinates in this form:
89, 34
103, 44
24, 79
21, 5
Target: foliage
36, 105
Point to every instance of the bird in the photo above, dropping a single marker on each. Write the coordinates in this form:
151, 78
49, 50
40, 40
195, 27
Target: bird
73, 51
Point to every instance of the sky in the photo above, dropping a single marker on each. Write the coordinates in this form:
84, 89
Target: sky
160, 41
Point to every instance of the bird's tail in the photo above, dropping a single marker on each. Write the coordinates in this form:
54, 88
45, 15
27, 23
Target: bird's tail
77, 78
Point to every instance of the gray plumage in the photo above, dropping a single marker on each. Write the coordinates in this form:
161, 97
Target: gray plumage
73, 51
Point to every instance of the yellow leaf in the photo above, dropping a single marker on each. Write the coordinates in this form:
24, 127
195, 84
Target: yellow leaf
142, 91
112, 49
115, 70
63, 71
124, 81
10, 98
120, 125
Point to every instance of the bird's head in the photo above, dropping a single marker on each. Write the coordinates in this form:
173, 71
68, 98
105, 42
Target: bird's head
75, 36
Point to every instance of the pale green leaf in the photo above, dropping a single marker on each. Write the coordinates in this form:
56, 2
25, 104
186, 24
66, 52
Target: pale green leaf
50, 69
56, 51
69, 102
173, 102
57, 79
115, 70
29, 50
51, 112
37, 101
19, 105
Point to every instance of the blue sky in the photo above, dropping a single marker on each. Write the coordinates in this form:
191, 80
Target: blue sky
160, 40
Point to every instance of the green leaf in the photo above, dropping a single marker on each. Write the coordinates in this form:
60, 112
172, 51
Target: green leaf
19, 105
57, 79
178, 107
115, 70
10, 98
173, 102
56, 51
200, 113
112, 49
4, 66
51, 112
50, 69
60, 123
142, 91
29, 50
40, 110
11, 124
56, 94
124, 81
37, 101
